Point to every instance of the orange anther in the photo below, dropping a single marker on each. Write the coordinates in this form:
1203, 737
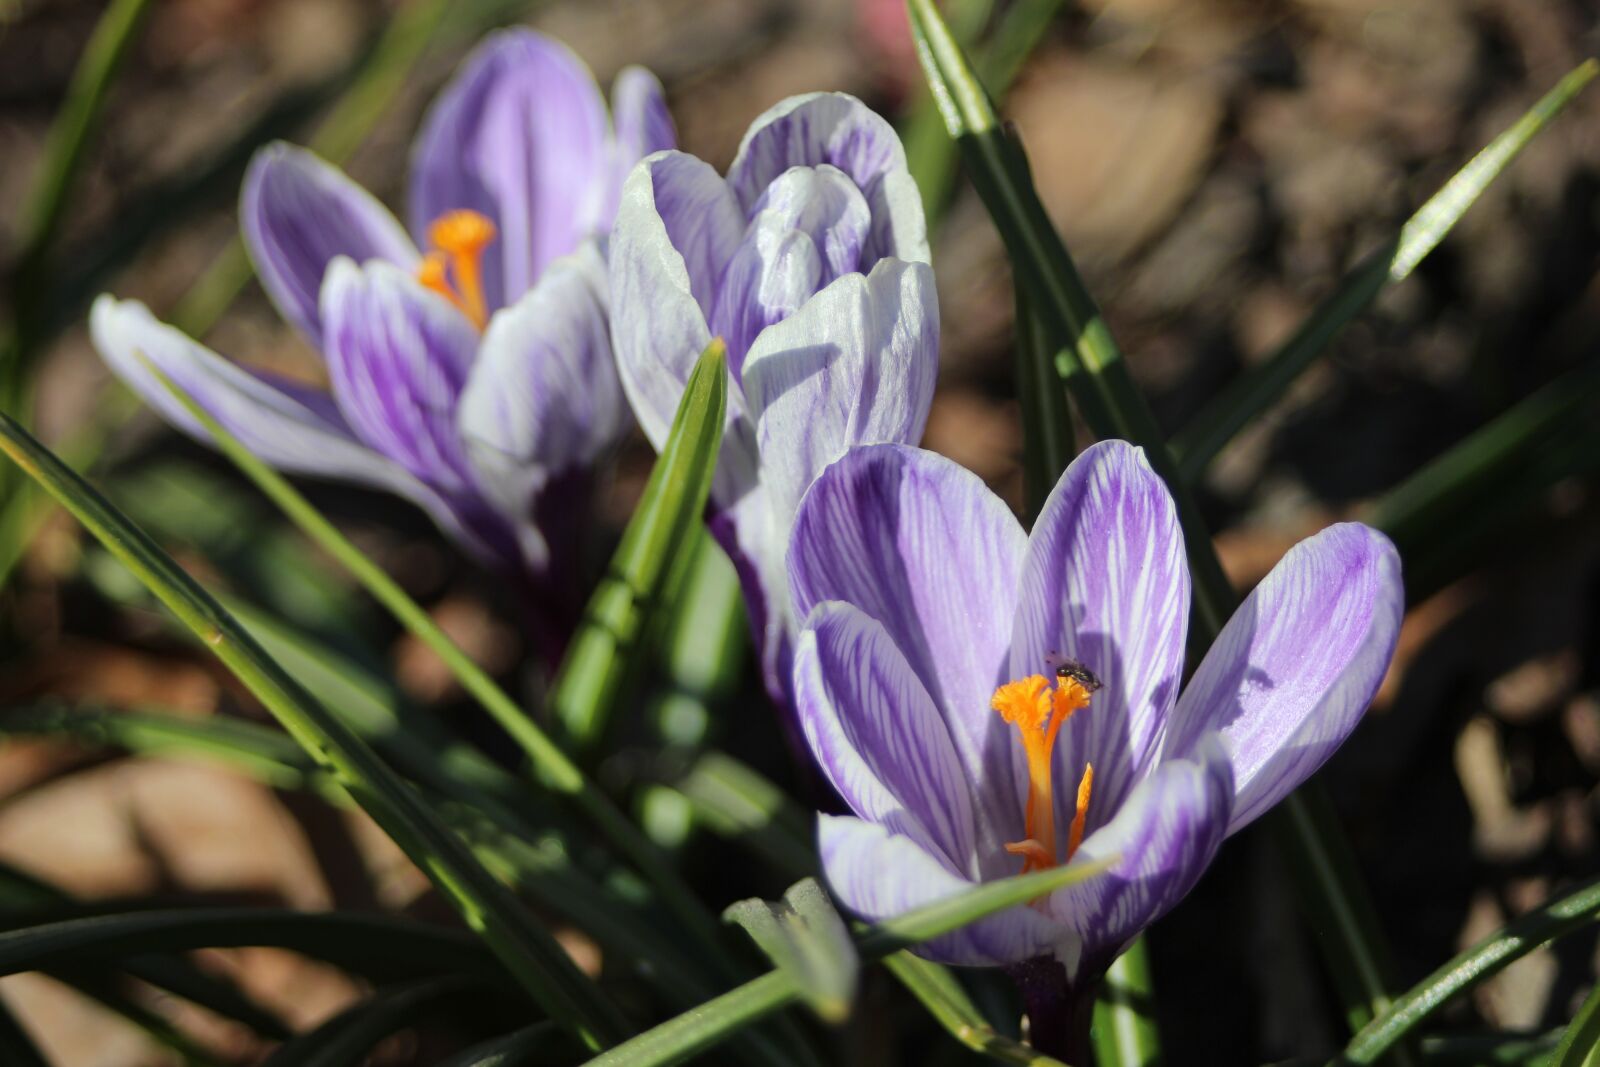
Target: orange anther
1038, 713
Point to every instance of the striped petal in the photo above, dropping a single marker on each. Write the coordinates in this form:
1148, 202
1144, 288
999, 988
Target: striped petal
880, 875
877, 734
921, 545
855, 366
519, 135
1164, 837
543, 397
1297, 664
677, 227
838, 130
296, 214
1106, 583
641, 124
398, 357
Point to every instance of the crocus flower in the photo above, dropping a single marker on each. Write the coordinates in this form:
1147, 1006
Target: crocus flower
469, 363
810, 260
989, 701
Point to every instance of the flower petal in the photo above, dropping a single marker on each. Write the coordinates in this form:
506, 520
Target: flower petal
398, 357
877, 735
520, 135
1164, 836
881, 875
1106, 583
1296, 666
297, 213
676, 228
839, 130
543, 397
807, 230
856, 365
274, 424
641, 124
921, 545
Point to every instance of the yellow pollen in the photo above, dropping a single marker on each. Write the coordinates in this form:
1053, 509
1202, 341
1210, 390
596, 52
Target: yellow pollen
1038, 713
458, 239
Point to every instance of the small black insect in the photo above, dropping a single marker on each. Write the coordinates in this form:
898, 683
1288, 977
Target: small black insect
1071, 668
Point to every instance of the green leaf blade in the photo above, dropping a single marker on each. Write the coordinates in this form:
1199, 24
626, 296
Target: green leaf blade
804, 936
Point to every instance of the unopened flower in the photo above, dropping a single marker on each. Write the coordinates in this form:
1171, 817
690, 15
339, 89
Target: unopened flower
810, 260
989, 701
470, 368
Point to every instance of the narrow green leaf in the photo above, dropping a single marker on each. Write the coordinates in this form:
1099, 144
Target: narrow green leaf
22, 893
1491, 1050
715, 1021
1047, 439
347, 1039
939, 992
664, 525
1252, 392
1560, 917
1124, 1029
1581, 1042
380, 947
519, 1048
1580, 1045
803, 935
552, 766
526, 949
1094, 371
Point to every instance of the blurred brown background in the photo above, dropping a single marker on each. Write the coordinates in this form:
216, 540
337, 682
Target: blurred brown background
1214, 165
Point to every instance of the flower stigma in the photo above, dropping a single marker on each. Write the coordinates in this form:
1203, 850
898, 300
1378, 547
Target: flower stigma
1038, 712
458, 239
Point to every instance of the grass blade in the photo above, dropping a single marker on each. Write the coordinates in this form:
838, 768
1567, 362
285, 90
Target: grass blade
1124, 1030
1580, 1045
1563, 916
1047, 440
526, 949
1093, 369
939, 992
348, 1038
803, 935
1252, 392
381, 947
516, 1049
656, 541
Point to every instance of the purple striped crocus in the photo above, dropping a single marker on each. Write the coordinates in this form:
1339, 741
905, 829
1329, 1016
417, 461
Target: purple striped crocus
989, 701
810, 260
469, 363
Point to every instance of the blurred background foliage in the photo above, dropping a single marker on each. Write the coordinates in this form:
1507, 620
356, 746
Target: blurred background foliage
1215, 167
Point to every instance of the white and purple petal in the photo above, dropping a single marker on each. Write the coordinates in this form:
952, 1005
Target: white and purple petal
806, 230
640, 123
519, 135
921, 545
398, 357
677, 227
297, 213
841, 131
855, 366
1297, 665
1163, 836
543, 397
878, 736
879, 875
1106, 583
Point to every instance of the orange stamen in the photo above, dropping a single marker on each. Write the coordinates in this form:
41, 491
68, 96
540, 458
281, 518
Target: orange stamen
458, 239
1075, 831
1038, 715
